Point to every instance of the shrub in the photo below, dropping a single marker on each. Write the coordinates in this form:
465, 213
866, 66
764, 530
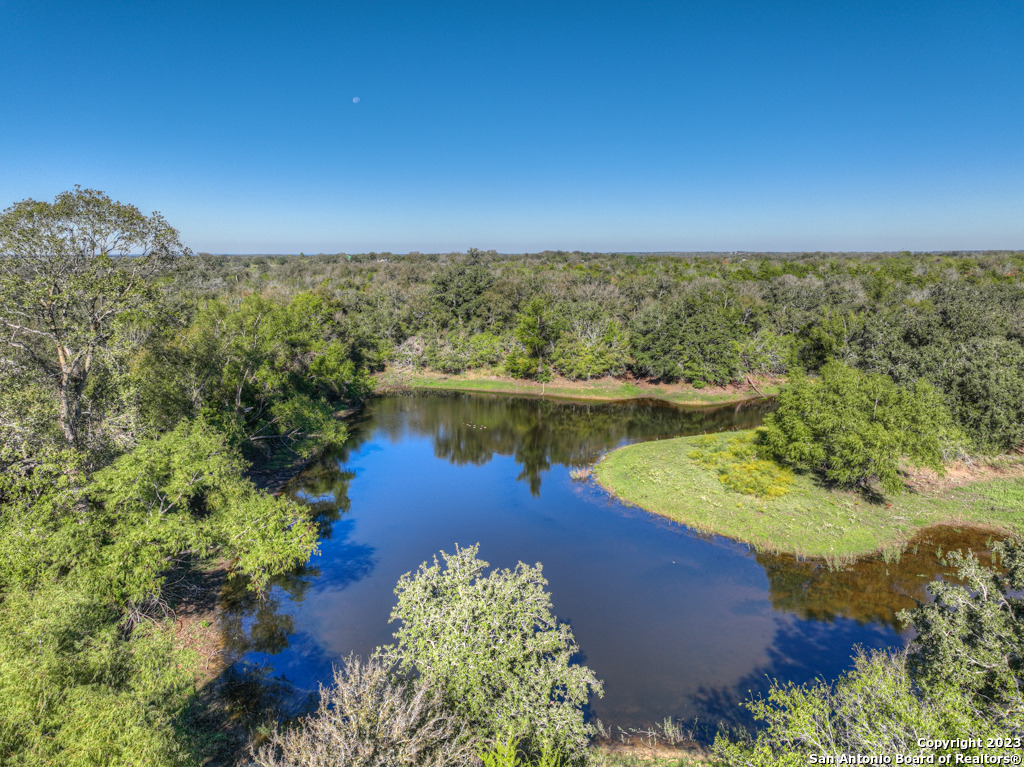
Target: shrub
518, 365
484, 350
368, 718
492, 645
872, 709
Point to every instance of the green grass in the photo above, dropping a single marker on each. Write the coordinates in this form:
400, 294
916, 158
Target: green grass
809, 519
606, 389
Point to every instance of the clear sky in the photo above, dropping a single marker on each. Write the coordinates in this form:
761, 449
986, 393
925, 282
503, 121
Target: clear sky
519, 126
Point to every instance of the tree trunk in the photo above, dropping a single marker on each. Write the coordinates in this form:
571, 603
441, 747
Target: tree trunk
70, 413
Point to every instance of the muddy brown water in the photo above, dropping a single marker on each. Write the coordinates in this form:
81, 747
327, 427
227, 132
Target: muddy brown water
675, 622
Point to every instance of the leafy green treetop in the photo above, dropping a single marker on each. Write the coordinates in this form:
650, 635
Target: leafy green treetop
491, 643
68, 271
851, 427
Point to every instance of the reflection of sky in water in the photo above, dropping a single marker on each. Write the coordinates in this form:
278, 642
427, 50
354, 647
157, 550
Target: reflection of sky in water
674, 623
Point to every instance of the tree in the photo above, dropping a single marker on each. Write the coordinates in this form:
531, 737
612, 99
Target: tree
492, 645
693, 341
68, 272
851, 427
457, 290
181, 494
973, 637
536, 330
983, 381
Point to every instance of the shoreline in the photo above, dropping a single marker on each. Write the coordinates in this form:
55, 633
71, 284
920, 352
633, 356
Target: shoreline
599, 390
810, 521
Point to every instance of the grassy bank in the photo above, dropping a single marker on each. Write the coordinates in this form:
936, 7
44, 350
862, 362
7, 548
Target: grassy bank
810, 520
604, 389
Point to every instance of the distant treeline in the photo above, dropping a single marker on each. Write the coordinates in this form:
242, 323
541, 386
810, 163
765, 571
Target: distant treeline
954, 319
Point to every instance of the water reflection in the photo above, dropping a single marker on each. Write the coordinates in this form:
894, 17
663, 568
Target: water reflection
676, 624
473, 428
874, 589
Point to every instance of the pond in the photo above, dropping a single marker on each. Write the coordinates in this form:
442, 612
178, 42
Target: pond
675, 622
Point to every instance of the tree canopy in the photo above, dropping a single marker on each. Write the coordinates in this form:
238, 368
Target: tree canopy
851, 427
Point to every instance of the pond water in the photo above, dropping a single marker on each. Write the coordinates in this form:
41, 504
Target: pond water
675, 622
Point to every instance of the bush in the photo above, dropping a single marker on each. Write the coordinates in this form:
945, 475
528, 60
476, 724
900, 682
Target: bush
873, 709
485, 350
491, 644
368, 718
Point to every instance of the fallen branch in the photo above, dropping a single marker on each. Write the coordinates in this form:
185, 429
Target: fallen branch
755, 388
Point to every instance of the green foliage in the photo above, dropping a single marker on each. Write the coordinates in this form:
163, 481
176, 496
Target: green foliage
707, 347
873, 709
833, 336
77, 690
535, 329
695, 341
457, 291
740, 468
502, 754
507, 754
852, 427
591, 350
181, 493
768, 353
65, 282
492, 645
983, 384
973, 638
267, 373
40, 535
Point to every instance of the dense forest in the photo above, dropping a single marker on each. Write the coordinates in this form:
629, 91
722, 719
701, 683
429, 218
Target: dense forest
955, 320
140, 384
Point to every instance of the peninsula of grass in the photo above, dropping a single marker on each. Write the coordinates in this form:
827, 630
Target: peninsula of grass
603, 389
804, 517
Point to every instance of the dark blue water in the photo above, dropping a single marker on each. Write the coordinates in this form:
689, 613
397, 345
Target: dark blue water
675, 623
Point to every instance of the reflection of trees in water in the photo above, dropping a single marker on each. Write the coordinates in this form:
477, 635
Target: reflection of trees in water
538, 433
872, 590
835, 608
253, 624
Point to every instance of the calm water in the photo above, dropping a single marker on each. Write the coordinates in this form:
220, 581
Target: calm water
675, 623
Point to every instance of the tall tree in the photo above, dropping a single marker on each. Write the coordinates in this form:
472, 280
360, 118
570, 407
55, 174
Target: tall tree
69, 270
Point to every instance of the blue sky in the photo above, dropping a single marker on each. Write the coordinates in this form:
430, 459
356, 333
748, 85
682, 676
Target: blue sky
521, 126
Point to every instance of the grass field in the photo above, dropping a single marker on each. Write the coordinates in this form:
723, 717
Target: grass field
809, 520
606, 389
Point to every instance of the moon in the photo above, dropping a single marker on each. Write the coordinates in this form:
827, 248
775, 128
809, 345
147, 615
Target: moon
355, 100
